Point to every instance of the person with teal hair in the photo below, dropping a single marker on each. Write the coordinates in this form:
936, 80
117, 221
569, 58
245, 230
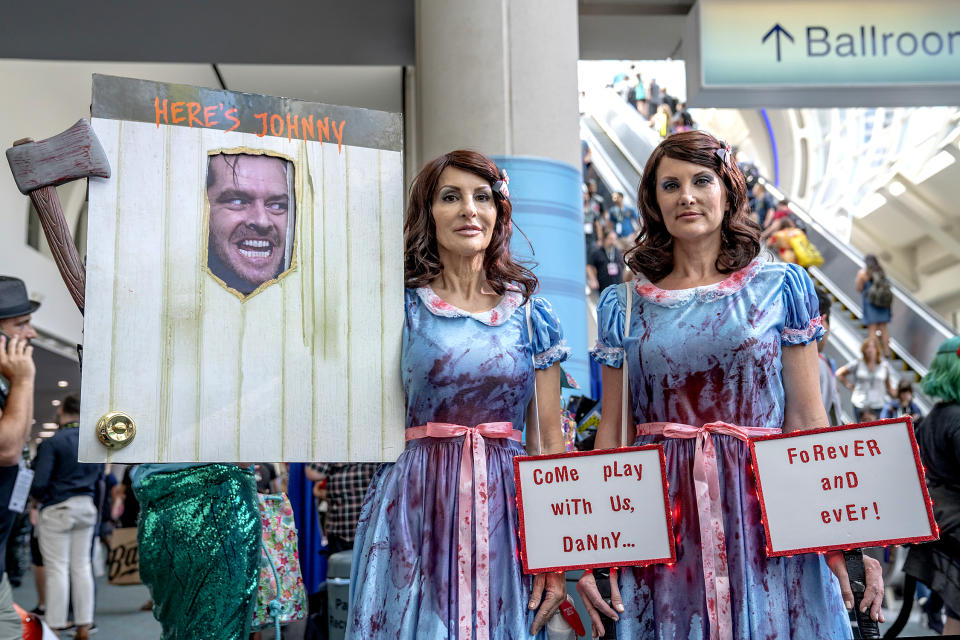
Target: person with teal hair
943, 379
937, 564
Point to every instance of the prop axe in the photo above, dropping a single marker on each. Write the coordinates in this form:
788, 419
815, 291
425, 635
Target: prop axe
38, 167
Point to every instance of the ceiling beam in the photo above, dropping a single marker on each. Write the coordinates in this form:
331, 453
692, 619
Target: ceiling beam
917, 192
933, 229
934, 265
634, 9
939, 288
901, 266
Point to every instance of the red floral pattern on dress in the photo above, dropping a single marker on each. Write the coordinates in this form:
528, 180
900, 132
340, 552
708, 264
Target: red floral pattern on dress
802, 336
733, 283
494, 317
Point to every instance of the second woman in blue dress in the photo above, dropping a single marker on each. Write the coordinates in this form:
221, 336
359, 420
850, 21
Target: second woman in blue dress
718, 344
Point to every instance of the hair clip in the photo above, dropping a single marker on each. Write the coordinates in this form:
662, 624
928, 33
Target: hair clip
946, 350
500, 186
724, 153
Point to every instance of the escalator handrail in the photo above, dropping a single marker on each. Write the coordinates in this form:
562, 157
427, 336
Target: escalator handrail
606, 166
608, 103
844, 341
929, 315
618, 143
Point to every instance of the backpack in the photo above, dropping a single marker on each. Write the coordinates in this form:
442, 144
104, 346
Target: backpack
750, 173
880, 294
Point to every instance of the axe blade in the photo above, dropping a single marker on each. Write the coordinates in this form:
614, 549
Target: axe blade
75, 153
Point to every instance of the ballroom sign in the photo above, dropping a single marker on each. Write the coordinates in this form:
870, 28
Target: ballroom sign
822, 53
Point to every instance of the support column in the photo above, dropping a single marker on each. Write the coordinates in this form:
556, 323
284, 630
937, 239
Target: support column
500, 76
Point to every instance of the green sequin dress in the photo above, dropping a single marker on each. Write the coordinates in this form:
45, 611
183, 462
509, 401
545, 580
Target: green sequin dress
199, 537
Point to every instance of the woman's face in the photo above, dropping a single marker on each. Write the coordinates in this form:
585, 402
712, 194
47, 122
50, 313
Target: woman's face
464, 212
692, 199
870, 352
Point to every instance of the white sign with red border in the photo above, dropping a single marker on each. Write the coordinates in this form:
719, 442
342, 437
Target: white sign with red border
594, 509
856, 485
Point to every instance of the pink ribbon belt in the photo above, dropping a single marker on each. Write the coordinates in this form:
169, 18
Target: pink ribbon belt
706, 478
472, 494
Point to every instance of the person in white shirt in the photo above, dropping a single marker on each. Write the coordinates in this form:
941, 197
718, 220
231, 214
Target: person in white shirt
873, 380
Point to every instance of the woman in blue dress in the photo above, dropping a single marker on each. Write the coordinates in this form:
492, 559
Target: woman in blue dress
436, 553
719, 348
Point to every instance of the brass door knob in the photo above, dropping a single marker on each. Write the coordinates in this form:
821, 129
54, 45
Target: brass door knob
116, 430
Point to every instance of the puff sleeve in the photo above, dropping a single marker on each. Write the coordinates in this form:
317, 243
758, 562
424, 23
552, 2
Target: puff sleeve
611, 316
549, 347
801, 323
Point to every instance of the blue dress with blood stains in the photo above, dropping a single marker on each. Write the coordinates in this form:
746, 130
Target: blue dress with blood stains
710, 354
464, 369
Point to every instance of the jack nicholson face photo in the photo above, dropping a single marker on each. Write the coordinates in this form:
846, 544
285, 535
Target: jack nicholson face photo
251, 218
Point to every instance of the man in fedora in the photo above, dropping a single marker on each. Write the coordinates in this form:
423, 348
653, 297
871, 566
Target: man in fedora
17, 374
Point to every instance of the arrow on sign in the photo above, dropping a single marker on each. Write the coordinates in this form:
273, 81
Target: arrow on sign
777, 29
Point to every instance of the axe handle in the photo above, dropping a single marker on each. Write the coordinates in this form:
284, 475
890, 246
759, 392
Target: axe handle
55, 228
858, 580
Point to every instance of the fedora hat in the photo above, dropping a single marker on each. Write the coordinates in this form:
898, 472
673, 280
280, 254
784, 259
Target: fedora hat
13, 298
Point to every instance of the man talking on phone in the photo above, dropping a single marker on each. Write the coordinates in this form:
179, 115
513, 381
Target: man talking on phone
17, 374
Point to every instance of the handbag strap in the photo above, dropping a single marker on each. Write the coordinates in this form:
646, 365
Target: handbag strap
536, 412
275, 605
625, 438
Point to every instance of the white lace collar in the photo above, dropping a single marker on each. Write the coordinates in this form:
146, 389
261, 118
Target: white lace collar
494, 317
733, 283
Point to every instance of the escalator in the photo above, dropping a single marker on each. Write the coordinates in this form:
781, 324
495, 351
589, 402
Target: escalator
620, 143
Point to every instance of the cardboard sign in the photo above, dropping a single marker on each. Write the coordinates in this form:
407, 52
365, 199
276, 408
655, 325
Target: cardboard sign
244, 295
594, 509
857, 485
123, 558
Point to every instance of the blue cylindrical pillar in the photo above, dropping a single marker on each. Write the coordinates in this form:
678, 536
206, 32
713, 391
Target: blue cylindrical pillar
545, 196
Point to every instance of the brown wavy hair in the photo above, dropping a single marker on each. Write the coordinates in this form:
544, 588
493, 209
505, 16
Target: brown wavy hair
421, 259
877, 349
652, 255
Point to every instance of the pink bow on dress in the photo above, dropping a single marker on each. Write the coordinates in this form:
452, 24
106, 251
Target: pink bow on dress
706, 478
473, 493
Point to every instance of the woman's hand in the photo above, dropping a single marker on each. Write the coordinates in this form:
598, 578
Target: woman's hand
549, 591
872, 596
594, 602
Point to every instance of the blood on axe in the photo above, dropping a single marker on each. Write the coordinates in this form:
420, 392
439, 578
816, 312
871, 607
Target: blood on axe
38, 167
